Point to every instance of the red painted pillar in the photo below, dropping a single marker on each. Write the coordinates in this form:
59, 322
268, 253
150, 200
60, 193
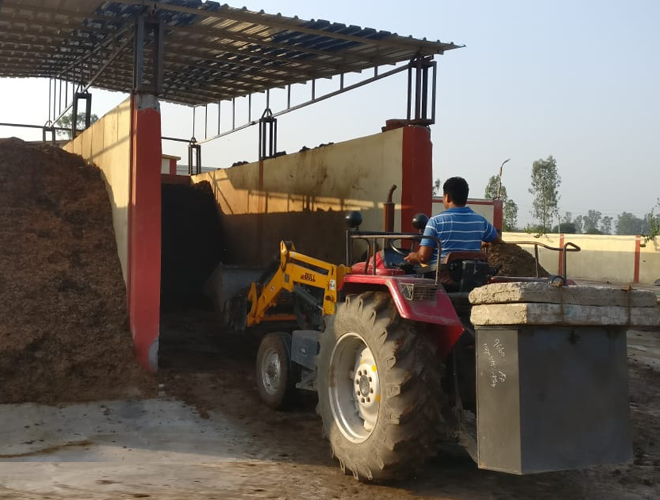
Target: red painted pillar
560, 265
144, 229
417, 175
638, 249
498, 215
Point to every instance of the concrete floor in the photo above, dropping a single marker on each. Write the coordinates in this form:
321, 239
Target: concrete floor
157, 430
162, 481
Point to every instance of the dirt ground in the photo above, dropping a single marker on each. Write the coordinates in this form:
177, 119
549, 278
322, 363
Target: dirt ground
217, 375
281, 455
63, 325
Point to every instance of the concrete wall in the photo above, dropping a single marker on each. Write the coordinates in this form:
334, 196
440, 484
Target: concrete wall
107, 144
649, 262
303, 197
168, 164
620, 259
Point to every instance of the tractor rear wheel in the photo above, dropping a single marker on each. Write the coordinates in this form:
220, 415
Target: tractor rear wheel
379, 389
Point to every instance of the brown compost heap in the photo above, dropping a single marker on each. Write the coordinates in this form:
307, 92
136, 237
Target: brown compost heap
63, 324
514, 261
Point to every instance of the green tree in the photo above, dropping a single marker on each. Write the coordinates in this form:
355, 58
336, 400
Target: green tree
437, 187
491, 188
606, 225
655, 220
510, 210
579, 223
66, 122
565, 227
545, 188
591, 221
651, 224
627, 223
510, 216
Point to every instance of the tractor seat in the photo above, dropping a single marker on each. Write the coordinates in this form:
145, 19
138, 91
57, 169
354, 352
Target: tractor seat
452, 256
464, 271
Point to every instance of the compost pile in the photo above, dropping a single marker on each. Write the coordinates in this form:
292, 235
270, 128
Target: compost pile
63, 324
514, 261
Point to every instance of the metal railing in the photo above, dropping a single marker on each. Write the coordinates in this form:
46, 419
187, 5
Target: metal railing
372, 237
568, 247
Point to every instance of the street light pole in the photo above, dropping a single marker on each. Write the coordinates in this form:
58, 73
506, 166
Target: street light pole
499, 186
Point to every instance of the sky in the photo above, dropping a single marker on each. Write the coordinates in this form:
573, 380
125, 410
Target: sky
575, 79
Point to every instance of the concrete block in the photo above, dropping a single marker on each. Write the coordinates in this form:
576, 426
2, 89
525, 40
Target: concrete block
563, 314
506, 293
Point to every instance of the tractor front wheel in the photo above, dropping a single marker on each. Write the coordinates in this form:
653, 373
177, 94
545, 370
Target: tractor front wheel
379, 389
276, 374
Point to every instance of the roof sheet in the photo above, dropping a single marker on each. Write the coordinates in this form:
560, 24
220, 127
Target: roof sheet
212, 52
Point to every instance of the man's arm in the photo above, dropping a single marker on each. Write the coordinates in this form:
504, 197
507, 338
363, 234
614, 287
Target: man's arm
426, 246
490, 236
422, 256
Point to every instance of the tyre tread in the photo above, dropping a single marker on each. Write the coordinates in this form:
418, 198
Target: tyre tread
411, 383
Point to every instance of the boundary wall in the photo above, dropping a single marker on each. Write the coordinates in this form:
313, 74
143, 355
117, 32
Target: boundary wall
126, 145
619, 259
303, 197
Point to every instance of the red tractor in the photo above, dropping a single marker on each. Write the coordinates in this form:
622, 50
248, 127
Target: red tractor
390, 350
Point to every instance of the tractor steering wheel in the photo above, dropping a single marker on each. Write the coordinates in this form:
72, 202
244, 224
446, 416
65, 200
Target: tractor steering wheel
401, 251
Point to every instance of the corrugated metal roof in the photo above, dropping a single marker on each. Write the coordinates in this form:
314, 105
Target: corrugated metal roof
212, 52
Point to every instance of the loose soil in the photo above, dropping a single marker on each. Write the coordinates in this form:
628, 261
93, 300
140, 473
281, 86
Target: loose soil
63, 325
514, 261
213, 370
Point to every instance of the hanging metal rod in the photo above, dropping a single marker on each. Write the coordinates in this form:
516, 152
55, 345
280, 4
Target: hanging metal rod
342, 90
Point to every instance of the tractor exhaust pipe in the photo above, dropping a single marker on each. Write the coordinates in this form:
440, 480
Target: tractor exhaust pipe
388, 212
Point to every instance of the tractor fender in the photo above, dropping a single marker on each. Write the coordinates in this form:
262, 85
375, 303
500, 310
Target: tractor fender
416, 299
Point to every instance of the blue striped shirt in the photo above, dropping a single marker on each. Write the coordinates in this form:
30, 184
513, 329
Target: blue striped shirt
459, 229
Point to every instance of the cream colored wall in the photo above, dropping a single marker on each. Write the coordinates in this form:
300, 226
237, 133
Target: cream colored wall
304, 197
602, 257
649, 261
107, 144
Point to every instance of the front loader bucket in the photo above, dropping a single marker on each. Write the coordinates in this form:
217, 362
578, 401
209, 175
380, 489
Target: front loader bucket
227, 288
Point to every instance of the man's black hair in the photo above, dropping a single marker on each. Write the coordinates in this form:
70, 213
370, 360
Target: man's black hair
457, 188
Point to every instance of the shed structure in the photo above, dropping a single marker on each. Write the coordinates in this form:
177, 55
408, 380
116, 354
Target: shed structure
191, 53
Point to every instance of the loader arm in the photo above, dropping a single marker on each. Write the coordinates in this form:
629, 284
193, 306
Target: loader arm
296, 269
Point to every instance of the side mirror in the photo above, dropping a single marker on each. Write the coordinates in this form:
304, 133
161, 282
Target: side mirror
353, 219
419, 221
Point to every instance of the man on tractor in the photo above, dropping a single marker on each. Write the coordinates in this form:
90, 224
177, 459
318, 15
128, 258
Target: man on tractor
458, 228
